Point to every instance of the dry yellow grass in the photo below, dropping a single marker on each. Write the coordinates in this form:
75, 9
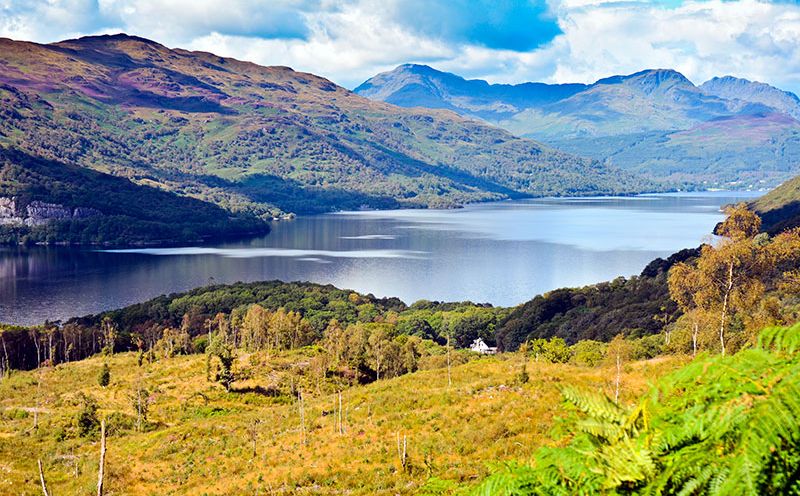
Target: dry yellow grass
202, 442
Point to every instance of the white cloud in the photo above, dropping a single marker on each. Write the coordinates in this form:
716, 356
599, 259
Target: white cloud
749, 39
351, 40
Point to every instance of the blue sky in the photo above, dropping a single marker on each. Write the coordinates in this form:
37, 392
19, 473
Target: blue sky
502, 40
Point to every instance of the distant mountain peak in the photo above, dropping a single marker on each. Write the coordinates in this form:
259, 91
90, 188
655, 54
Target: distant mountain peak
650, 80
419, 85
106, 38
734, 88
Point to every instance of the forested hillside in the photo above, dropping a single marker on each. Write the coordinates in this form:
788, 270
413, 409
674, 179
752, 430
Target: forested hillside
780, 208
262, 140
111, 210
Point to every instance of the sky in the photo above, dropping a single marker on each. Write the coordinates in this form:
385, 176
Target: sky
502, 41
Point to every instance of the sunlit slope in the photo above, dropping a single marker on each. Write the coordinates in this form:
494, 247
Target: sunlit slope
200, 439
262, 139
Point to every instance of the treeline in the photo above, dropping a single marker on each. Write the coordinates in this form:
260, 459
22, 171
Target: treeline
130, 213
636, 307
265, 315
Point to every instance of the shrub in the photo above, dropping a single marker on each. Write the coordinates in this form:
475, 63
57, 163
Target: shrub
86, 423
588, 353
104, 377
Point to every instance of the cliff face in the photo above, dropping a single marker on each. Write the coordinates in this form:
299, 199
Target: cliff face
37, 213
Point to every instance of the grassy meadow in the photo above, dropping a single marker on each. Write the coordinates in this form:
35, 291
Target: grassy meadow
261, 438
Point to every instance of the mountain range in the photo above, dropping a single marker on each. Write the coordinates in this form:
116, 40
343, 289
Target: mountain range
258, 141
727, 132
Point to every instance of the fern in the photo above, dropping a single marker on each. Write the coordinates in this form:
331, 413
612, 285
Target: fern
719, 426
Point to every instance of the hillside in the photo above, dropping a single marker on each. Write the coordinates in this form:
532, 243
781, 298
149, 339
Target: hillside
780, 208
201, 439
727, 132
49, 201
262, 140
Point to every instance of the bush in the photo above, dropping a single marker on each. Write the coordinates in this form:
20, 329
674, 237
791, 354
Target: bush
86, 423
104, 377
588, 353
554, 350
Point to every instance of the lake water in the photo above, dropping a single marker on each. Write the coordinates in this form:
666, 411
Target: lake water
502, 253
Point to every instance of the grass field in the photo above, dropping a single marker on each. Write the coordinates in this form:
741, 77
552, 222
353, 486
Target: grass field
260, 439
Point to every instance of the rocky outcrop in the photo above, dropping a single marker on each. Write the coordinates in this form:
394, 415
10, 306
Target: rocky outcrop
37, 213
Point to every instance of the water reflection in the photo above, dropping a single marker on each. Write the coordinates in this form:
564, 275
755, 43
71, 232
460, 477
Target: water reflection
503, 253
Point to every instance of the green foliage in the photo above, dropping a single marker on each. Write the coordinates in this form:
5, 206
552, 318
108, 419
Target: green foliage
588, 353
554, 350
721, 425
85, 422
225, 354
104, 377
125, 213
598, 312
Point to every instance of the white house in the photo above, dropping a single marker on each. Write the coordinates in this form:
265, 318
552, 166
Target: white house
479, 346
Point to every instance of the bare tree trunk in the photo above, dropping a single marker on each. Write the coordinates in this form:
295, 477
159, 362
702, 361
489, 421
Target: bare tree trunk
302, 414
619, 374
41, 478
101, 470
38, 398
7, 367
341, 423
254, 435
449, 378
695, 331
401, 452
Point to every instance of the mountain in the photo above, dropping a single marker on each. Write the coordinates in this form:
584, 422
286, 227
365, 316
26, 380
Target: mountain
656, 122
262, 140
733, 88
413, 85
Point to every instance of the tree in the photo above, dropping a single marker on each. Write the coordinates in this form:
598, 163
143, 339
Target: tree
255, 331
731, 276
411, 351
335, 343
684, 284
173, 342
140, 401
221, 350
104, 377
109, 330
588, 353
86, 422
381, 349
618, 352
